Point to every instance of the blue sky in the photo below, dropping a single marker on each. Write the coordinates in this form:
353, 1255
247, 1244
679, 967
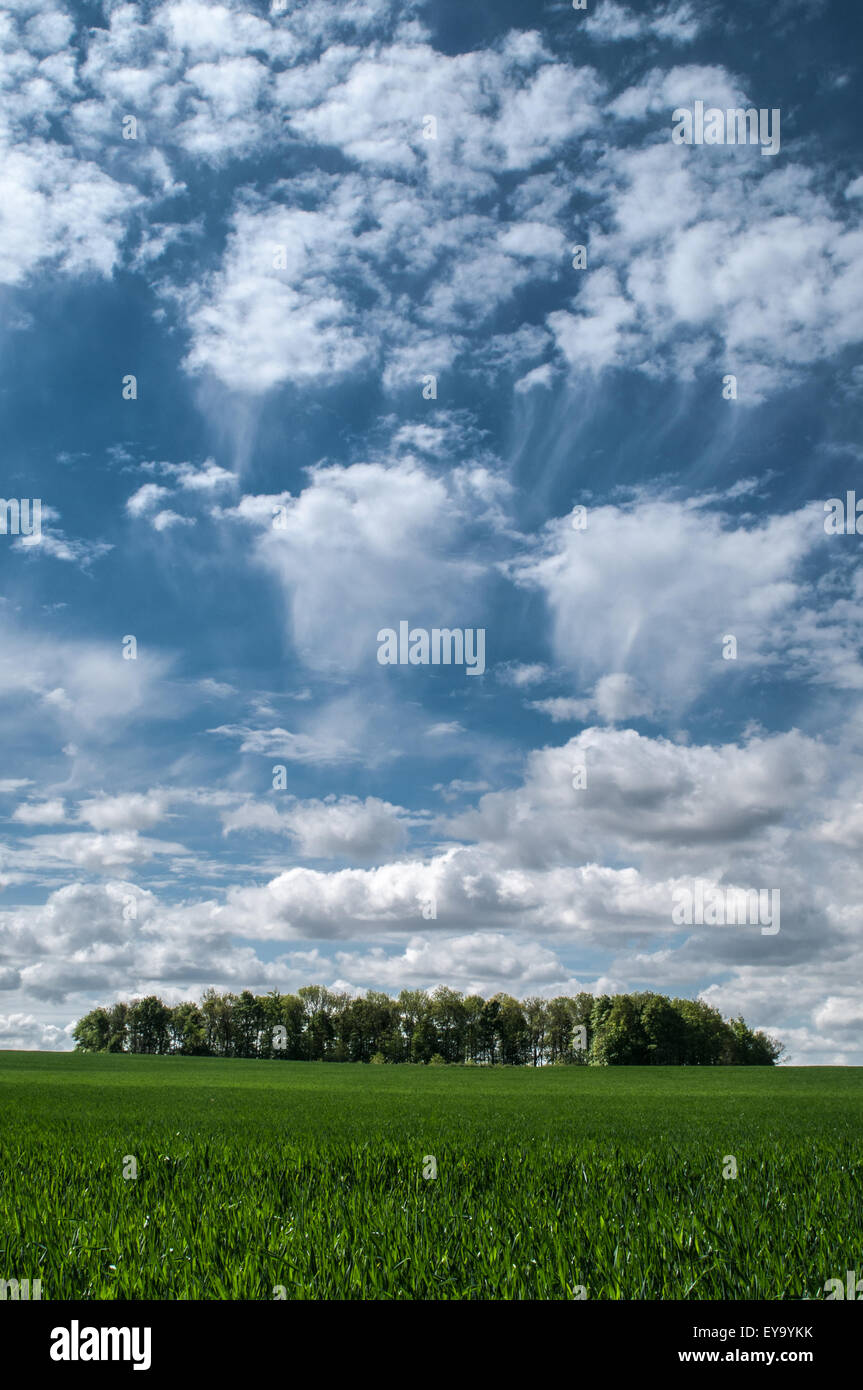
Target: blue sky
280, 257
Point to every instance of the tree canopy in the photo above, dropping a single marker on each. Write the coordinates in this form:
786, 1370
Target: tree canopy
441, 1025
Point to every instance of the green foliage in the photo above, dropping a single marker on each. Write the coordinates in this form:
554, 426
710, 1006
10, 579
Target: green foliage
91, 1033
317, 1025
252, 1176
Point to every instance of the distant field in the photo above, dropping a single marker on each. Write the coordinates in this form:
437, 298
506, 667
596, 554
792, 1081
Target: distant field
253, 1175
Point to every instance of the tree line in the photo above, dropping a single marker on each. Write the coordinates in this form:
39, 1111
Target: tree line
440, 1026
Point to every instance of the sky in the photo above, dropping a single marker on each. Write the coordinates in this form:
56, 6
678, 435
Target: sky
296, 345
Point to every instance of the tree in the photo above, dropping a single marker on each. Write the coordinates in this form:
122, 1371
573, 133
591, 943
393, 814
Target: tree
488, 1038
512, 1031
319, 1031
473, 1007
446, 1014
582, 1019
536, 1016
704, 1032
148, 1024
187, 1030
248, 1021
619, 1040
366, 1026
91, 1033
118, 1015
218, 1010
663, 1031
411, 1004
316, 1024
766, 1050
559, 1029
749, 1049
292, 1018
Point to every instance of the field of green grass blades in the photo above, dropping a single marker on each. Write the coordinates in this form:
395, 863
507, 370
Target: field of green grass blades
258, 1176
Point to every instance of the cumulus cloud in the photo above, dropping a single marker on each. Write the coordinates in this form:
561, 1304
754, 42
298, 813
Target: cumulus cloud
656, 585
329, 828
41, 812
129, 811
612, 22
481, 962
358, 536
60, 213
22, 1032
616, 696
102, 853
146, 497
522, 673
533, 877
99, 688
749, 266
304, 291
445, 208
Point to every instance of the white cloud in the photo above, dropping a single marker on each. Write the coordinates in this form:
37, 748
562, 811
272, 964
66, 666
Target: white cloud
562, 708
59, 213
537, 376
345, 827
53, 542
481, 962
358, 536
126, 811
840, 1013
254, 815
207, 478
322, 746
220, 690
663, 89
22, 1032
657, 585
459, 787
41, 813
611, 22
712, 257
165, 519
522, 674
533, 883
509, 107
330, 828
616, 696
147, 500
146, 497
691, 801
100, 689
49, 31
305, 292
102, 853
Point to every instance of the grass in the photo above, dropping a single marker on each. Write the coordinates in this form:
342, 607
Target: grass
254, 1175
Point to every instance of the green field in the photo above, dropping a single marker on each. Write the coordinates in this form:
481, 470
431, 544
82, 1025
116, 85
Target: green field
254, 1174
